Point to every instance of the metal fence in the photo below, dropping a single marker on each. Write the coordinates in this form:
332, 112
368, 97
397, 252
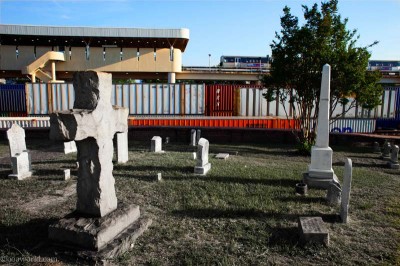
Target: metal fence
12, 100
141, 99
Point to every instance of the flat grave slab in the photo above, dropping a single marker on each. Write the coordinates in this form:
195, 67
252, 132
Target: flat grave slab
313, 230
222, 156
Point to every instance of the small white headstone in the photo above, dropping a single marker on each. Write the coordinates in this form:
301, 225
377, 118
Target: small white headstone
20, 158
202, 164
198, 135
69, 147
394, 158
194, 155
16, 139
222, 156
344, 206
193, 137
67, 174
122, 147
377, 149
159, 177
386, 150
156, 144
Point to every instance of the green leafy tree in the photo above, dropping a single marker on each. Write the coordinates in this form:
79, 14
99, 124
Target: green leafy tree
298, 55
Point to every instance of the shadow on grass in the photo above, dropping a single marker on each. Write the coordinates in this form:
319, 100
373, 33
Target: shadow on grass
284, 236
237, 180
182, 169
207, 213
302, 199
72, 162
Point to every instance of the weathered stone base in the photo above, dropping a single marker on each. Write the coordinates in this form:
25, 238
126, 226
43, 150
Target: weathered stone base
319, 182
394, 165
313, 230
21, 176
202, 170
100, 238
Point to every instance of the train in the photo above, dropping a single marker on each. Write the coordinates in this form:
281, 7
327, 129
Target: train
245, 62
384, 65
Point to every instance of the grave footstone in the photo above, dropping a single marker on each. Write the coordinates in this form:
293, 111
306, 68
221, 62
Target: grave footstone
202, 164
69, 147
193, 139
98, 226
67, 174
156, 145
313, 230
320, 173
122, 147
394, 158
20, 157
344, 205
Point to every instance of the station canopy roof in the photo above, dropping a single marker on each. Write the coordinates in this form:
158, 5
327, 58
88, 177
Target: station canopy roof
94, 37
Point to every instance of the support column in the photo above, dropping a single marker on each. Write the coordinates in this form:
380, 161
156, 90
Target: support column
34, 77
53, 71
171, 77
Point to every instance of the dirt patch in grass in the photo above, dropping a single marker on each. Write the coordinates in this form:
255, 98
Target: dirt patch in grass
244, 212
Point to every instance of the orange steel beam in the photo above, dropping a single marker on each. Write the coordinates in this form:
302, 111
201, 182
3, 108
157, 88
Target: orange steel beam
223, 122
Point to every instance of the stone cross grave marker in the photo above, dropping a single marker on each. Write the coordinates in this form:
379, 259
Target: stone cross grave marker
320, 173
202, 164
394, 158
156, 145
193, 137
122, 147
92, 123
20, 158
344, 205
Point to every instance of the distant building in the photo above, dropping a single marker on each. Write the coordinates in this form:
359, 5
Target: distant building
52, 54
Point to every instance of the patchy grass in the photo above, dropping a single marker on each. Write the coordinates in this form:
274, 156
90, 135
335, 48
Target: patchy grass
244, 212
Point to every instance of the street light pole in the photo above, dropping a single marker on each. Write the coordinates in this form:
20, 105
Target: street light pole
209, 62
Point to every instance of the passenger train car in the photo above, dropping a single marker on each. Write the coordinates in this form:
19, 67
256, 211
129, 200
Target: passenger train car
247, 62
384, 65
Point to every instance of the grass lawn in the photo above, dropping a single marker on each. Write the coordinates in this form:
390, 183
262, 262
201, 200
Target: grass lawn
244, 212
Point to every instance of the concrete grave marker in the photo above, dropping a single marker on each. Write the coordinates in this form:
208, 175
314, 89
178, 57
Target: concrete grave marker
99, 223
313, 230
193, 139
20, 158
320, 173
122, 147
67, 174
202, 164
394, 158
156, 145
344, 205
69, 147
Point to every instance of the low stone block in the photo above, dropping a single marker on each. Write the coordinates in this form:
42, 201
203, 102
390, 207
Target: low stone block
202, 170
313, 230
222, 156
159, 177
21, 166
93, 233
70, 147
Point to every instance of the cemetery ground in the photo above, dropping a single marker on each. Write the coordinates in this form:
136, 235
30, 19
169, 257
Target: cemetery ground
243, 212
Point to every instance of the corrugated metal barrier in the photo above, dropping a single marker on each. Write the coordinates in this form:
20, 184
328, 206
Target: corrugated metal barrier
141, 99
359, 125
12, 100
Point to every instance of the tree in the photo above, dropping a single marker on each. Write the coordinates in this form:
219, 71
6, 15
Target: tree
298, 55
